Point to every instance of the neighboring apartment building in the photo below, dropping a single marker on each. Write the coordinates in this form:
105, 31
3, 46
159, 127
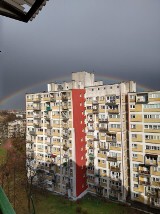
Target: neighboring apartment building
78, 132
17, 128
144, 141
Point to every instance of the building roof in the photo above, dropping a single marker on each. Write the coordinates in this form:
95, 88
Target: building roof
22, 10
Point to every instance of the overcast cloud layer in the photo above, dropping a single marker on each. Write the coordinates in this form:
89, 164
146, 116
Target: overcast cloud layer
120, 38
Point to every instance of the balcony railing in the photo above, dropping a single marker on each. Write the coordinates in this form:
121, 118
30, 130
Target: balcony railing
115, 169
113, 111
103, 120
36, 99
103, 129
111, 159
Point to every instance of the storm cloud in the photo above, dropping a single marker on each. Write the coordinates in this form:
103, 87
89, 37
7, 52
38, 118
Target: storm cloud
118, 38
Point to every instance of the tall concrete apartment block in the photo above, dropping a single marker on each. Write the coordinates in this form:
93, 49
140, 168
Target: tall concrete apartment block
91, 137
144, 146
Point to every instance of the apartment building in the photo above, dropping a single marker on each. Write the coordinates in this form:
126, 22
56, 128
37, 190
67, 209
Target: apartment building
17, 128
144, 146
91, 137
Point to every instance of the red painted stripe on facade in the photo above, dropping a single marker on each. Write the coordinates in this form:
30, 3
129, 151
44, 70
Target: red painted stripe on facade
80, 143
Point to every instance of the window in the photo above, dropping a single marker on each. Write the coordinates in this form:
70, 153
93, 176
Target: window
133, 116
133, 126
134, 136
132, 106
134, 155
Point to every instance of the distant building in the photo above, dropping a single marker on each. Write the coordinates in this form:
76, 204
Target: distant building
22, 10
17, 128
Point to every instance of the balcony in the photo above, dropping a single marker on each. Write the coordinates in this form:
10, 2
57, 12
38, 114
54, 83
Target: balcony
111, 159
37, 99
91, 156
115, 169
65, 107
142, 98
49, 133
95, 110
37, 125
52, 99
33, 133
151, 160
65, 116
144, 183
152, 193
103, 120
113, 111
47, 117
65, 147
90, 128
103, 129
144, 173
111, 138
115, 188
48, 108
64, 97
36, 108
111, 102
103, 148
37, 117
49, 126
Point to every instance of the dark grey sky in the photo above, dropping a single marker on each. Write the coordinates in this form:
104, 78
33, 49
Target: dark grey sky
120, 38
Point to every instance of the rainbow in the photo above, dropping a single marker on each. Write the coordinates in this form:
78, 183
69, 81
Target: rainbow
66, 78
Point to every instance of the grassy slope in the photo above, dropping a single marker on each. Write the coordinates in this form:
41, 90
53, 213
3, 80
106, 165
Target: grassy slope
59, 205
